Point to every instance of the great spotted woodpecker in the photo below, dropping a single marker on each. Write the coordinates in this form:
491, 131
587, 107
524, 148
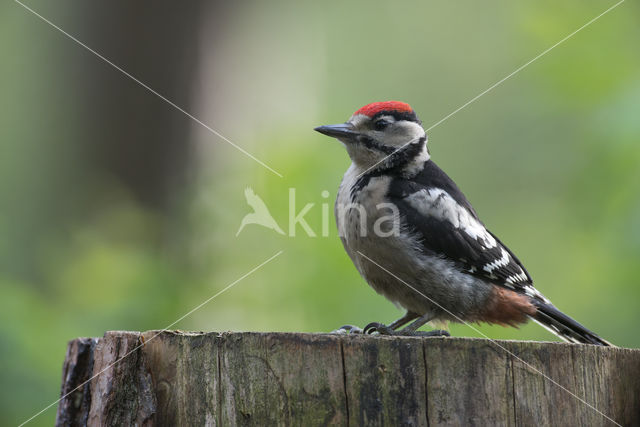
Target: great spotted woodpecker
417, 240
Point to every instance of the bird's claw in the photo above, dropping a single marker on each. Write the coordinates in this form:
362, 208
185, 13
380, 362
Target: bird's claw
379, 328
347, 329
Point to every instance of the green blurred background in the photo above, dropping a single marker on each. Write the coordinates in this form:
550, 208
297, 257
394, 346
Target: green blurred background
119, 212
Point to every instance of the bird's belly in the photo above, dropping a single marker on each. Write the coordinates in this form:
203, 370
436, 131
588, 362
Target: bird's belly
390, 259
385, 256
389, 267
419, 283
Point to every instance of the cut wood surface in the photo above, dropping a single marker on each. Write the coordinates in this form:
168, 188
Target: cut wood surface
294, 379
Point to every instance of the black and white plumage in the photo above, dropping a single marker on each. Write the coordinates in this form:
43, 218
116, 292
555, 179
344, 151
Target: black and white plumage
396, 208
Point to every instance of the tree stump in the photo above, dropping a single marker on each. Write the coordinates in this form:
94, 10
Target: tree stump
180, 378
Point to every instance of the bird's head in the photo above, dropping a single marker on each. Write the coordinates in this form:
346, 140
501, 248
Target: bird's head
384, 133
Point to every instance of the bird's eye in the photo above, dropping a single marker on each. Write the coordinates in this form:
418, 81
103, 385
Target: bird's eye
380, 124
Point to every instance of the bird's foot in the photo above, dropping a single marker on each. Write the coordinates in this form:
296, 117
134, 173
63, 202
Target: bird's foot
348, 329
379, 328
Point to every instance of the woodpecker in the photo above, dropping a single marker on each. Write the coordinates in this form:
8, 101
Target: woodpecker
415, 238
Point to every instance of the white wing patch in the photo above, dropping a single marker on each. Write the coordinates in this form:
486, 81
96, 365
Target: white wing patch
534, 293
503, 261
437, 203
516, 278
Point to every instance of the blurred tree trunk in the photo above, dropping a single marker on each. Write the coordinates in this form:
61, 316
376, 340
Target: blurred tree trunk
139, 138
79, 134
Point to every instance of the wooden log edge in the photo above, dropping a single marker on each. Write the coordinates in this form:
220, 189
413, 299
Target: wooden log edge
251, 378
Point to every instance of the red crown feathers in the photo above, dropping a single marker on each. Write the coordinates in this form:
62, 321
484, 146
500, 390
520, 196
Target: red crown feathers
391, 106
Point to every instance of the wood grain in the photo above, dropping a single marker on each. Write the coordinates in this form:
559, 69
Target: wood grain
218, 379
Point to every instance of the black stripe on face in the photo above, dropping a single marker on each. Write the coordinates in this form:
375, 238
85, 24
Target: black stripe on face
408, 116
397, 155
404, 155
392, 165
374, 145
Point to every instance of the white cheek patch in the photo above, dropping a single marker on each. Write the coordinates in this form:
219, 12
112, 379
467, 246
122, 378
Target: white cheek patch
416, 165
404, 133
437, 203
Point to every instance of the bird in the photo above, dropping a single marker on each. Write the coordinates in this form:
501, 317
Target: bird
260, 214
415, 238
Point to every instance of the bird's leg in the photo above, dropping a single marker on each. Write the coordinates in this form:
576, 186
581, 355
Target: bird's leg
375, 326
347, 329
390, 330
412, 329
408, 331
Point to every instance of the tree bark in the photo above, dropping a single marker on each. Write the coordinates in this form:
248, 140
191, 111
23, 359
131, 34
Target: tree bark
178, 378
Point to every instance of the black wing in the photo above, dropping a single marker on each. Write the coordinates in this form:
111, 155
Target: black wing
432, 206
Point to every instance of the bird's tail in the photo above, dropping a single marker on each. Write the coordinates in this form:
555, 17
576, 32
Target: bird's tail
563, 326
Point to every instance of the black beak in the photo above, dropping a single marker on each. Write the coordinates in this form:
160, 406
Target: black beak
341, 131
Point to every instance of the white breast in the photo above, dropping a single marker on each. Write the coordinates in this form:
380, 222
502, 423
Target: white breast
357, 211
424, 278
394, 252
